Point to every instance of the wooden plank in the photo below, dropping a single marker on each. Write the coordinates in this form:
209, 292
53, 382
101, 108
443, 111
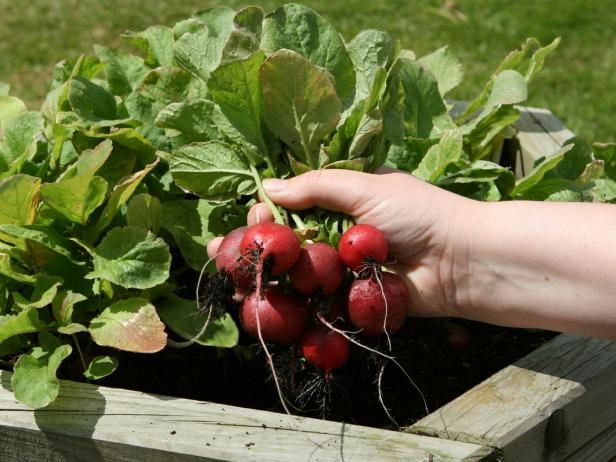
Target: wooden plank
546, 406
93, 423
539, 134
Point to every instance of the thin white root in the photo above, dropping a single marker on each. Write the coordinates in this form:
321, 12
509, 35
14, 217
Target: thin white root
377, 352
268, 355
191, 341
378, 277
380, 389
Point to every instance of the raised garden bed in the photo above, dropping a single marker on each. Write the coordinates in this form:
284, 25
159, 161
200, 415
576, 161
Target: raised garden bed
557, 403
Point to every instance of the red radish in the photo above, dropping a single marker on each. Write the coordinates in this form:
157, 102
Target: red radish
363, 244
325, 348
275, 246
318, 269
458, 337
230, 259
367, 306
282, 317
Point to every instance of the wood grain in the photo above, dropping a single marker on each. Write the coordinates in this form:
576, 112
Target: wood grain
90, 423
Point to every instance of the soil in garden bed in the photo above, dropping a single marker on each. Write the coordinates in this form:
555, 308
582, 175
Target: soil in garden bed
241, 377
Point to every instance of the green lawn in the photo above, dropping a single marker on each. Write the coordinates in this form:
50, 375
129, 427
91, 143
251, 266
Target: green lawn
578, 83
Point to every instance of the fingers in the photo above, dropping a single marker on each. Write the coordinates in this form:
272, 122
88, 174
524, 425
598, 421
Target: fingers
337, 190
259, 213
212, 247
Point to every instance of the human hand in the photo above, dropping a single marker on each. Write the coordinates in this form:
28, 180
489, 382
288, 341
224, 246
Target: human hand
417, 218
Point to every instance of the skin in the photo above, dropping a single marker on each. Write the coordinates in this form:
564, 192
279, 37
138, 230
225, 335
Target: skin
518, 263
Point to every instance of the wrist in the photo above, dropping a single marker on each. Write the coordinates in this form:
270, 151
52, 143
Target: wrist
456, 271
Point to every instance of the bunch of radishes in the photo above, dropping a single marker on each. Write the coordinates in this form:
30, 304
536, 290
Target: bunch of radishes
298, 292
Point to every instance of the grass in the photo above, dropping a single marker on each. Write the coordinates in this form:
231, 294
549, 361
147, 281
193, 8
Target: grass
578, 82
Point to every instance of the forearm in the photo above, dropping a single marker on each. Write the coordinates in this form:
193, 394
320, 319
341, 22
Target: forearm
544, 265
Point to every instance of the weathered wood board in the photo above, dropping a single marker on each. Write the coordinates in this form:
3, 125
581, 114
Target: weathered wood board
539, 134
90, 423
558, 403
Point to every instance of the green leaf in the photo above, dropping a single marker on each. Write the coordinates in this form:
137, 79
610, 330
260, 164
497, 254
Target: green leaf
45, 289
123, 71
132, 258
553, 189
527, 61
236, 88
482, 134
63, 305
298, 28
100, 367
445, 67
370, 51
603, 190
156, 42
509, 87
144, 211
72, 328
183, 317
301, 105
574, 162
20, 139
161, 87
120, 194
470, 181
43, 235
130, 325
4, 89
193, 223
219, 20
425, 112
91, 160
370, 126
446, 152
200, 52
245, 38
34, 379
91, 102
539, 171
75, 198
10, 107
19, 196
194, 119
607, 153
408, 156
24, 322
358, 165
9, 270
211, 170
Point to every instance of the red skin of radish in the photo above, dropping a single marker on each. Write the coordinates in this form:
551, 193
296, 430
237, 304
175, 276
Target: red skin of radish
325, 348
318, 269
361, 244
230, 259
283, 317
367, 304
277, 246
458, 337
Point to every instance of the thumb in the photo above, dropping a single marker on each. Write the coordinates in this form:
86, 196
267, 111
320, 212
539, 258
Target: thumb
337, 190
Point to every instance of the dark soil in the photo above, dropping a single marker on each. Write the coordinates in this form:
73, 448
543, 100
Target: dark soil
241, 377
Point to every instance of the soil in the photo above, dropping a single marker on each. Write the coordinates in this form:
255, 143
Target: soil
241, 376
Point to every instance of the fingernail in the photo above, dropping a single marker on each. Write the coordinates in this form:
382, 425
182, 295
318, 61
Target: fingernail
274, 185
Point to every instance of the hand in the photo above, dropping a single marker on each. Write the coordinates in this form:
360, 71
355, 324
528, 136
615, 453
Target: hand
417, 218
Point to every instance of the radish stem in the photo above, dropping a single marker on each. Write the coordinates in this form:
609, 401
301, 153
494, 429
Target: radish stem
277, 216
